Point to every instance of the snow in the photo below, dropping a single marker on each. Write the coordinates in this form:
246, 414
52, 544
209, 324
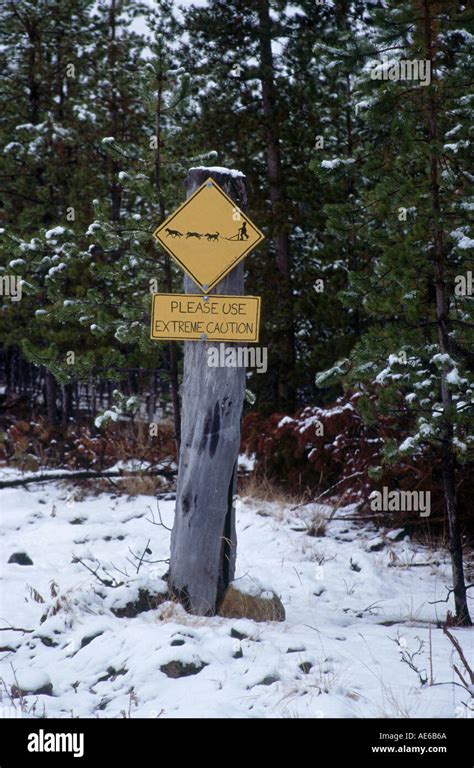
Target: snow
54, 232
348, 610
219, 169
453, 377
407, 444
105, 416
246, 463
463, 241
96, 225
56, 269
330, 164
32, 679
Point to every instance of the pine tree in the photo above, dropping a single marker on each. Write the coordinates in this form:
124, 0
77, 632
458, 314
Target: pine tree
95, 283
243, 122
417, 340
44, 140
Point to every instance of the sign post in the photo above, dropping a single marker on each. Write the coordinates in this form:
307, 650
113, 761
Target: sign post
209, 235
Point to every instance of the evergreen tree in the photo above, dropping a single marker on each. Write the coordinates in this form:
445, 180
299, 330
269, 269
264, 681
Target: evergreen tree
243, 122
417, 339
96, 284
44, 142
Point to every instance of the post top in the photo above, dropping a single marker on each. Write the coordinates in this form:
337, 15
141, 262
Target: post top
219, 169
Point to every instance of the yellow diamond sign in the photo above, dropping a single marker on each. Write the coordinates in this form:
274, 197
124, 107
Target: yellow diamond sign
208, 235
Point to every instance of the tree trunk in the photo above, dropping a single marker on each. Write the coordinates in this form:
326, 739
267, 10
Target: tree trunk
173, 372
442, 315
50, 391
115, 186
285, 343
203, 541
172, 348
67, 403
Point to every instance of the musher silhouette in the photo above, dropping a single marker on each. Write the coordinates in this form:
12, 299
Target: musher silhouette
243, 232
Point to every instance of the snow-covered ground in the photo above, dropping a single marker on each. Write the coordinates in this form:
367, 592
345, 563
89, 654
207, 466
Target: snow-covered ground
355, 601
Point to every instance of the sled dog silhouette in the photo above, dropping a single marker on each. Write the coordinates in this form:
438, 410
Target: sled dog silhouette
172, 232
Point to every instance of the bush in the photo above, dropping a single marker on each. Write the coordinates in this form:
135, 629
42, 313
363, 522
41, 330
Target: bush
336, 452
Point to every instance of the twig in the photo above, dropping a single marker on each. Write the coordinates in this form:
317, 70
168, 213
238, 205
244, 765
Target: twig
460, 651
141, 558
105, 582
153, 521
408, 657
463, 681
314, 501
430, 640
450, 592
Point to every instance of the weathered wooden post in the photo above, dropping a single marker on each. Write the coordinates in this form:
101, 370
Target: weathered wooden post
203, 541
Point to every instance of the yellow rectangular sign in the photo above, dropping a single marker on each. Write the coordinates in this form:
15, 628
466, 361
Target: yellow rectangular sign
192, 317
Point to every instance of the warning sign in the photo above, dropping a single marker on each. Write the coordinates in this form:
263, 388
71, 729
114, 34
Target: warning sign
211, 318
208, 235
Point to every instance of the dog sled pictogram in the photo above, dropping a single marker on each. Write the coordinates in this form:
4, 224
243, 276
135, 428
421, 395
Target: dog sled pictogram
204, 237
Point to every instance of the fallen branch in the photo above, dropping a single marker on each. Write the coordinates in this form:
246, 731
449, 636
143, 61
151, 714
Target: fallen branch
415, 565
84, 475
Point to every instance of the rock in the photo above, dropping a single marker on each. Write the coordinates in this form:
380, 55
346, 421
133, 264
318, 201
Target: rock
30, 681
89, 638
177, 669
236, 635
398, 534
112, 674
376, 545
237, 650
20, 558
47, 641
177, 641
305, 667
269, 680
146, 601
265, 605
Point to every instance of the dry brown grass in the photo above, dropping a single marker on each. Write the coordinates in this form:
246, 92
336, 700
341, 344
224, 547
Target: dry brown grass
262, 489
140, 485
